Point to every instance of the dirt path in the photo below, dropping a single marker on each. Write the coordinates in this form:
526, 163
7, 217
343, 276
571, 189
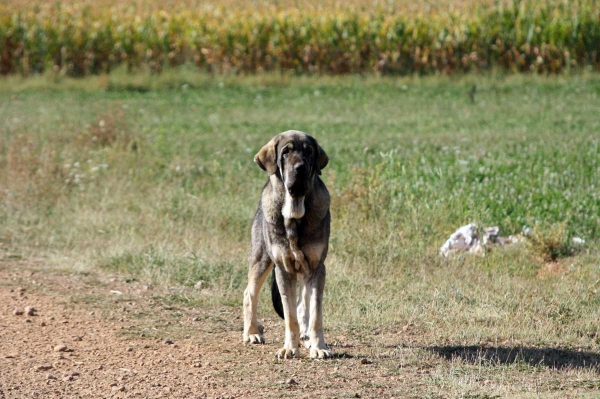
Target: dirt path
126, 340
123, 341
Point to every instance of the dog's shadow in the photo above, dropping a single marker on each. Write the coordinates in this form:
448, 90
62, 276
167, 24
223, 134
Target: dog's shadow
554, 358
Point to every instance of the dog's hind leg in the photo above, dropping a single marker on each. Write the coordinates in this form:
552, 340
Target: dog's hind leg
287, 288
257, 273
276, 296
316, 284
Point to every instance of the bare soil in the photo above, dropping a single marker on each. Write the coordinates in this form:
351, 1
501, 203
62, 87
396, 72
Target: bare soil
125, 341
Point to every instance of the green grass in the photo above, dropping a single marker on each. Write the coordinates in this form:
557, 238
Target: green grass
410, 160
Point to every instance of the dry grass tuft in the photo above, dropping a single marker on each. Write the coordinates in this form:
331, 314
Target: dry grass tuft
550, 241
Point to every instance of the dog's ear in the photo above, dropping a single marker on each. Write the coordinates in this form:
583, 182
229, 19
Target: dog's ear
267, 156
321, 158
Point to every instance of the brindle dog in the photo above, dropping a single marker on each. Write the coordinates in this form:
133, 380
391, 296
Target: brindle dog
290, 233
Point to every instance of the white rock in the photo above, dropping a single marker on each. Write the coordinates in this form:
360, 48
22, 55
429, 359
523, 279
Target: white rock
466, 238
473, 239
60, 348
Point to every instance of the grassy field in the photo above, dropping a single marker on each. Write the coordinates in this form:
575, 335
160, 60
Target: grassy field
153, 179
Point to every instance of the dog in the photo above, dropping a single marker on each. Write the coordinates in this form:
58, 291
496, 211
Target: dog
290, 236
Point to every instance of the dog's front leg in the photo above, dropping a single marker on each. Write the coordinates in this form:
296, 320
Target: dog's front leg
316, 284
257, 273
291, 230
286, 282
304, 310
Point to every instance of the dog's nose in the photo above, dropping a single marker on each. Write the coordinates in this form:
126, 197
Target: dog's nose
300, 167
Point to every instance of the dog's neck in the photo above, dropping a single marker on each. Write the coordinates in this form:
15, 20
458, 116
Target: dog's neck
292, 207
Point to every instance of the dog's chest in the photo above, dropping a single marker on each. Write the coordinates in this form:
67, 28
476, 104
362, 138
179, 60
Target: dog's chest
302, 259
295, 253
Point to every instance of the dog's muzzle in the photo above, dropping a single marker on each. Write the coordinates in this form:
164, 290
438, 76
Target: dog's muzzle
297, 181
296, 185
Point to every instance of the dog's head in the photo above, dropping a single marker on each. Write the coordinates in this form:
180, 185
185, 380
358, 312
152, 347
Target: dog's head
296, 157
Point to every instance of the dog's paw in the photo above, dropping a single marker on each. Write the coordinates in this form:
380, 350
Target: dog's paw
317, 353
254, 339
285, 353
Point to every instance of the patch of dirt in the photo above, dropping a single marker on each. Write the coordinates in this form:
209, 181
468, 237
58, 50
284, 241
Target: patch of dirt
555, 268
92, 337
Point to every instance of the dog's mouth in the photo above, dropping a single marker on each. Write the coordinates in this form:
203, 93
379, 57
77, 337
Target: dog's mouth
296, 187
297, 190
296, 184
293, 206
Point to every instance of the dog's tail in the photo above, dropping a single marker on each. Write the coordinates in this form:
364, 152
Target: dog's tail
276, 296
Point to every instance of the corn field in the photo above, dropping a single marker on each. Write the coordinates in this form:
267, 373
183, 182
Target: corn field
542, 36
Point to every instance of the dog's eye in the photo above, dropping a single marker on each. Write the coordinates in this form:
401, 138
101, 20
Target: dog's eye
309, 150
285, 151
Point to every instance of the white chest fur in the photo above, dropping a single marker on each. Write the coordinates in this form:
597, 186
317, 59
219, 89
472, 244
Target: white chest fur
293, 208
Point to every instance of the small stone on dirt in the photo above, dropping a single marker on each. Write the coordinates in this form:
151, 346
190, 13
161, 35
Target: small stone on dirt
119, 388
50, 377
291, 381
43, 367
60, 348
168, 342
115, 292
198, 285
30, 310
67, 378
77, 338
43, 324
17, 312
365, 361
